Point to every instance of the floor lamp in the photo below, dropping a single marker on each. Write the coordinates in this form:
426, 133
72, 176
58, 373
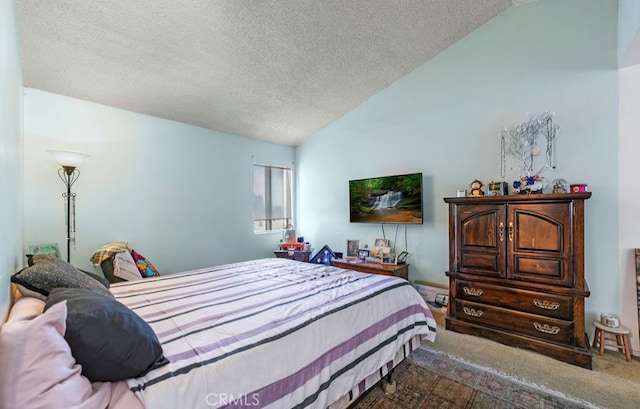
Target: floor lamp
69, 172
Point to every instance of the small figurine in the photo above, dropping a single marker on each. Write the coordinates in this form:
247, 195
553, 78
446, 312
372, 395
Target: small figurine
476, 188
560, 186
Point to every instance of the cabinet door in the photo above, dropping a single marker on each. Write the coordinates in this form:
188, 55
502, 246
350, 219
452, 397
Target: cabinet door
480, 236
539, 243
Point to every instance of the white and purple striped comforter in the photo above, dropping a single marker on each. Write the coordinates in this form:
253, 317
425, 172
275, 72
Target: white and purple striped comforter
271, 333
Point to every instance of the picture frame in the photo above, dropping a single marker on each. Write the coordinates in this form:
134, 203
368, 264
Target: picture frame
48, 248
378, 247
363, 254
389, 258
381, 243
352, 248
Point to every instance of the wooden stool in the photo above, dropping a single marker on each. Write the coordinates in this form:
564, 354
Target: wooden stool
622, 338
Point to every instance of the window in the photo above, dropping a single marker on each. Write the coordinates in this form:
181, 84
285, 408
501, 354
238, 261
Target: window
272, 208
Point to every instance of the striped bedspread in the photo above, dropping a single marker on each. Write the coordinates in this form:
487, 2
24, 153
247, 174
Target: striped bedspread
271, 333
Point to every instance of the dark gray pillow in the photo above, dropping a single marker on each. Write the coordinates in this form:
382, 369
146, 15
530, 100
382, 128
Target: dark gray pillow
105, 283
110, 341
48, 273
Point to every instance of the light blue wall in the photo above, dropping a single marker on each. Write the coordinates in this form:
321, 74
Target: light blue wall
179, 194
628, 24
10, 152
186, 202
444, 119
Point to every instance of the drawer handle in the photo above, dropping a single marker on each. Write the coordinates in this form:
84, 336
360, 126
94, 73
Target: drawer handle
544, 304
510, 231
501, 231
472, 312
546, 328
472, 291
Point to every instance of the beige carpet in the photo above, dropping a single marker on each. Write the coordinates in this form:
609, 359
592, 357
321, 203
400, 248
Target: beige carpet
613, 382
430, 379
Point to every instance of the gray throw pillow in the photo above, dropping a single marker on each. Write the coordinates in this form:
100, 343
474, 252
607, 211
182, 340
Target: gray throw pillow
50, 272
107, 339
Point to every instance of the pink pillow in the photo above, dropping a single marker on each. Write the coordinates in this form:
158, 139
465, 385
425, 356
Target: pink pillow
26, 308
122, 397
38, 370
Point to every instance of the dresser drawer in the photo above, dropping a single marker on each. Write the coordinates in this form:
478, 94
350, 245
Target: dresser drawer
550, 305
519, 322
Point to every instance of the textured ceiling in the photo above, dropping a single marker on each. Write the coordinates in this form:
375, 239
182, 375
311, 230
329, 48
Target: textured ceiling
277, 70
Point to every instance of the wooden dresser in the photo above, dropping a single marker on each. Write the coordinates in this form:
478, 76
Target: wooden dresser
516, 272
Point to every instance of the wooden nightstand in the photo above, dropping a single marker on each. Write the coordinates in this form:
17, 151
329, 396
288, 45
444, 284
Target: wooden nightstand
400, 270
299, 255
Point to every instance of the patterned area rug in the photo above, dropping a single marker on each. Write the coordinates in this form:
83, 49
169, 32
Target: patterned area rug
432, 379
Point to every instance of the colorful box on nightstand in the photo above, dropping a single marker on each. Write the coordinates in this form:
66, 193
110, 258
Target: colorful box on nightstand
578, 188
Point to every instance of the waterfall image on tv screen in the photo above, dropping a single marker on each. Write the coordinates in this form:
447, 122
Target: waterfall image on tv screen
388, 199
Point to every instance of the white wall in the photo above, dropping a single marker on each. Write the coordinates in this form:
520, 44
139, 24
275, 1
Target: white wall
444, 119
10, 152
179, 194
629, 198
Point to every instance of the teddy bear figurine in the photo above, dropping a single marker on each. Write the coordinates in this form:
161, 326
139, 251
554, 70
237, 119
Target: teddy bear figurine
476, 188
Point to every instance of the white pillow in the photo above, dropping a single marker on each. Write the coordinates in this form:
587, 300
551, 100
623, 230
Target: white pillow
124, 267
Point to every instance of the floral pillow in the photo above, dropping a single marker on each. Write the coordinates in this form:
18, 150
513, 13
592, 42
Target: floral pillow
144, 265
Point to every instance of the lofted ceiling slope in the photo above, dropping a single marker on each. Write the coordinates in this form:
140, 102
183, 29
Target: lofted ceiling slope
276, 70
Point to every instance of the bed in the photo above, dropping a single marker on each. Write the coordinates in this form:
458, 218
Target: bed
271, 333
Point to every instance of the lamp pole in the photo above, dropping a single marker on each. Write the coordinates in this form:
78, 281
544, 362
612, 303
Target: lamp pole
69, 174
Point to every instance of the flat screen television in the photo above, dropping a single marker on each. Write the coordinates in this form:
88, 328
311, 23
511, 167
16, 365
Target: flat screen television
387, 199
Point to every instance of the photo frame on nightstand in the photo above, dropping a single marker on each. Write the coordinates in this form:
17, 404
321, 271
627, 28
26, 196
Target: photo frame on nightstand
381, 243
378, 247
352, 248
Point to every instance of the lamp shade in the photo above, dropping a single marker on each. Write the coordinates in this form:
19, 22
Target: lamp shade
71, 159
